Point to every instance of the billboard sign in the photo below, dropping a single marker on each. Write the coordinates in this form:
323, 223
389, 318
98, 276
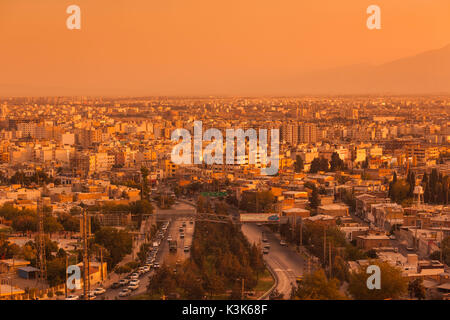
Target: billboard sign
259, 217
214, 194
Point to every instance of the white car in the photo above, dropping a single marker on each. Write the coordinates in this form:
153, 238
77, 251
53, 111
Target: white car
123, 282
133, 287
134, 282
73, 297
125, 292
283, 243
98, 291
134, 276
146, 268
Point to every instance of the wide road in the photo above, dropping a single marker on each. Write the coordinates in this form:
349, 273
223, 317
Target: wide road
284, 261
176, 215
171, 258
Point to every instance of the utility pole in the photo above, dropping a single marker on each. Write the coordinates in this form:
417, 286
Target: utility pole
301, 232
442, 238
40, 261
324, 244
65, 283
309, 265
101, 263
294, 224
242, 289
330, 257
85, 271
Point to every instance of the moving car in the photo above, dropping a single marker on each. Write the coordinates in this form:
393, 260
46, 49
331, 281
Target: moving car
156, 265
134, 282
265, 251
134, 276
283, 243
186, 248
181, 235
116, 285
124, 282
133, 287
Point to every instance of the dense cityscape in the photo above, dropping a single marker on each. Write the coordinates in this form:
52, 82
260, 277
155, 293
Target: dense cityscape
362, 180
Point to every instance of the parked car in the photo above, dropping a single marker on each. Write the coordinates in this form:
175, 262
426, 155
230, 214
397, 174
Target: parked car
134, 276
115, 285
265, 251
182, 235
98, 291
186, 248
410, 248
156, 265
283, 243
73, 297
90, 295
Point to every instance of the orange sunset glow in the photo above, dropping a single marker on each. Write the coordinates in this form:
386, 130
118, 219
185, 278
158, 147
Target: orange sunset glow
202, 46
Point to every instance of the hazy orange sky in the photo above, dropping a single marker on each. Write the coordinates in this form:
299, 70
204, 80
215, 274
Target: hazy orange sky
196, 47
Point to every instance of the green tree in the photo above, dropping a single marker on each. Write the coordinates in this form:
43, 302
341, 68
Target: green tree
299, 165
315, 166
117, 242
416, 289
56, 271
316, 286
144, 180
400, 191
336, 163
314, 199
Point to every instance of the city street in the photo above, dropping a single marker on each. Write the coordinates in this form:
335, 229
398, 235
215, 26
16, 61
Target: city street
178, 214
286, 263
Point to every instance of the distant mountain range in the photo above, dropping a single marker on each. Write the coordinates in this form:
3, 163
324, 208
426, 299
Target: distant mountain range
425, 73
